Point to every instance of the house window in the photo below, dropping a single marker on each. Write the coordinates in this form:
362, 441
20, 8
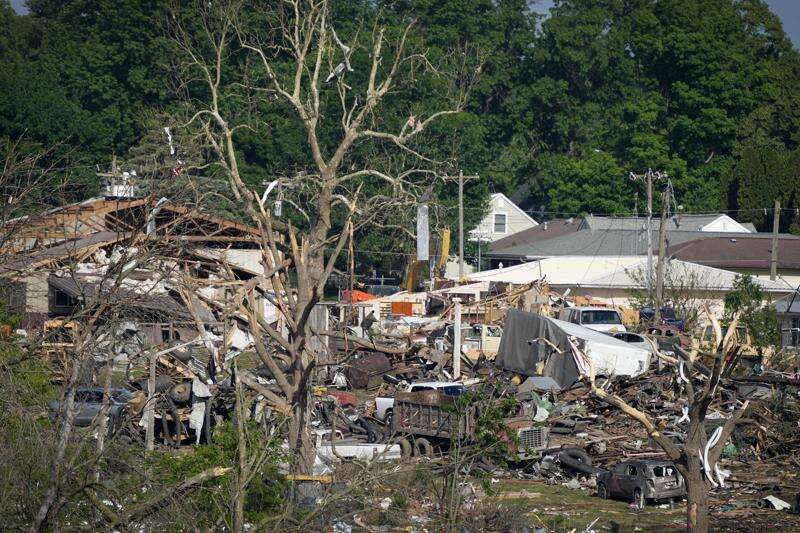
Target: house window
499, 222
795, 332
168, 333
64, 300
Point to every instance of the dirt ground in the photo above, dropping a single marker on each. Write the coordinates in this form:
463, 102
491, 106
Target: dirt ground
558, 508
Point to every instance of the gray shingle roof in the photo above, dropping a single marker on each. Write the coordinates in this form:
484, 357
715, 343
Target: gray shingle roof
611, 242
676, 222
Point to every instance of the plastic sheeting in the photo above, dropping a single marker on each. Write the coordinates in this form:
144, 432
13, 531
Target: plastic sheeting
521, 352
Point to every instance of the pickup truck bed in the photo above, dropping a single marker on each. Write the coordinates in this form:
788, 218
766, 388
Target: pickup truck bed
432, 414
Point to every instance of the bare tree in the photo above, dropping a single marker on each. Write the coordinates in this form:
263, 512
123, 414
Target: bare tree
684, 289
696, 457
301, 61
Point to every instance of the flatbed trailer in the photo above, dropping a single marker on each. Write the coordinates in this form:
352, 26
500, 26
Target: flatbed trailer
430, 420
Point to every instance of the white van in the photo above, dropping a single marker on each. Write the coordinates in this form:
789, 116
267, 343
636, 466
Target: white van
602, 319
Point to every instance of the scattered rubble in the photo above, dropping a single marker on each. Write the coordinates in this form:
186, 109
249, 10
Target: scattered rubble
391, 385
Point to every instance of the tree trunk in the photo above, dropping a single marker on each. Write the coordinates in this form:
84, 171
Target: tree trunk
67, 421
300, 441
696, 498
242, 472
149, 406
102, 425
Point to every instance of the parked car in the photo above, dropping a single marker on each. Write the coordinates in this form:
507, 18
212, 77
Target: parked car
329, 453
384, 405
668, 317
642, 480
602, 319
89, 401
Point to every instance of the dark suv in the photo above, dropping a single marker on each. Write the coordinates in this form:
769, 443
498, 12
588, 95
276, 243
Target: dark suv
668, 317
89, 402
641, 481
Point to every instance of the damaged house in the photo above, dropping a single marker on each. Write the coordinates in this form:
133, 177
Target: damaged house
140, 252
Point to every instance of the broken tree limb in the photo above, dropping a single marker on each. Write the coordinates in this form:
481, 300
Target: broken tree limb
772, 380
364, 343
159, 501
276, 401
614, 400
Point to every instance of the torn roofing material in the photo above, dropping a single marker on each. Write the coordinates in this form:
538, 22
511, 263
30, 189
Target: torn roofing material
522, 350
21, 264
138, 296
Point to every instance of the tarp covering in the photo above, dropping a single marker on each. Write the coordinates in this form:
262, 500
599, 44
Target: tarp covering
520, 352
356, 296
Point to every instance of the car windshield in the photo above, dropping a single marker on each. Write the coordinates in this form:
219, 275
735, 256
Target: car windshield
600, 317
668, 312
453, 390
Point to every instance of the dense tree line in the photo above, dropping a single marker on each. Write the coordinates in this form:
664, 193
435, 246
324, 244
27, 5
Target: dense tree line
564, 108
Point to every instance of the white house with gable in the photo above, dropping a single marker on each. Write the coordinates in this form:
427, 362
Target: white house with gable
505, 218
723, 223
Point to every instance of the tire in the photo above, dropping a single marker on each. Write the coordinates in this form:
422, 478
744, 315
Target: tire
577, 460
181, 393
602, 491
389, 419
638, 498
423, 448
406, 449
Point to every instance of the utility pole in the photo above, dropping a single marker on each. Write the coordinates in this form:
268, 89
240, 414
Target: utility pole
662, 245
456, 338
461, 178
776, 221
460, 225
648, 177
149, 407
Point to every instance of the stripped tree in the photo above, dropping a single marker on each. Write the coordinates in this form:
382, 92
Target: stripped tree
235, 64
696, 457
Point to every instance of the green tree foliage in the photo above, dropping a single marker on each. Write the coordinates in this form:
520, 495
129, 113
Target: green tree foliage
766, 171
755, 311
81, 73
564, 108
676, 85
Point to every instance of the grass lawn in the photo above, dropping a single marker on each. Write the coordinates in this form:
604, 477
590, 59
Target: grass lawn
558, 508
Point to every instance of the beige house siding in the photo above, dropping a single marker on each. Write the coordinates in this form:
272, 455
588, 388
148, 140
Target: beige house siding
516, 220
791, 277
714, 300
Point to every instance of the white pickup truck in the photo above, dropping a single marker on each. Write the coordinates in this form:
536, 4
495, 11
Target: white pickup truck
384, 406
329, 453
